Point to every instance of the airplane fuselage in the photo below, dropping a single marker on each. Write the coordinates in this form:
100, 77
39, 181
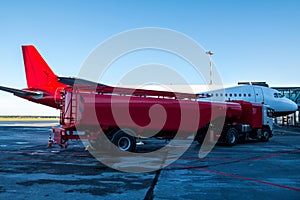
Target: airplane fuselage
254, 93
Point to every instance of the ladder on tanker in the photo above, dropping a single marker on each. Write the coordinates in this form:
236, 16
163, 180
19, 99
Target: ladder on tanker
68, 111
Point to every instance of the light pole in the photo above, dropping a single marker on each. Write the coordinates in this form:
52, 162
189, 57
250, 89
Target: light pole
210, 53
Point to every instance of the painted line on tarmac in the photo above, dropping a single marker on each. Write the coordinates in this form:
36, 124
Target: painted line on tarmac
232, 160
207, 159
239, 177
272, 155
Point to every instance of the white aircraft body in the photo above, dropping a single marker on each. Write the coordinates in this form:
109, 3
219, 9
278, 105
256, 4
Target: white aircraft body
253, 93
246, 92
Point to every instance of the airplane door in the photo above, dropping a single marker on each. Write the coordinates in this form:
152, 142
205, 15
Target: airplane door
259, 95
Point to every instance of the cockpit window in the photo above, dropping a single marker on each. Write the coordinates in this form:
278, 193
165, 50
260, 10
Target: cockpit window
278, 95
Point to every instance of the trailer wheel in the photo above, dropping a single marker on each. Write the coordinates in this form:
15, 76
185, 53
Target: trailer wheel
124, 141
265, 136
200, 138
231, 136
201, 133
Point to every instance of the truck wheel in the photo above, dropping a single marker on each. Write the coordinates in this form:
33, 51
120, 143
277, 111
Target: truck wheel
201, 133
124, 141
200, 138
231, 136
265, 136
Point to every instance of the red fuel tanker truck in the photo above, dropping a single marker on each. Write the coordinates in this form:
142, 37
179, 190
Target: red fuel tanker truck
123, 115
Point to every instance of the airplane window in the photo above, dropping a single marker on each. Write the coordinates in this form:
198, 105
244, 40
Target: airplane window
249, 95
230, 95
212, 95
240, 95
217, 95
221, 94
226, 95
235, 95
245, 95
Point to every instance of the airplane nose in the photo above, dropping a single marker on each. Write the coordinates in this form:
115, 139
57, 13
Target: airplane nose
294, 106
291, 106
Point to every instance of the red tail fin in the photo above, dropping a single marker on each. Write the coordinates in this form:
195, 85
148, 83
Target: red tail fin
38, 73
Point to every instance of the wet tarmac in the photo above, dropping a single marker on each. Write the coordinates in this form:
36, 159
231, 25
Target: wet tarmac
253, 170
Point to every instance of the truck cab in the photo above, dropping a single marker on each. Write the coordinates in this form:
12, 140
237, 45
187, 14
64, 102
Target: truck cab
266, 132
255, 122
268, 115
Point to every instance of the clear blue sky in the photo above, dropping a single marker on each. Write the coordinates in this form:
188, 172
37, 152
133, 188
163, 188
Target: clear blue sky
253, 40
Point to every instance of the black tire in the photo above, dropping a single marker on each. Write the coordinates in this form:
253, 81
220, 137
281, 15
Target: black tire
124, 141
265, 136
200, 136
231, 137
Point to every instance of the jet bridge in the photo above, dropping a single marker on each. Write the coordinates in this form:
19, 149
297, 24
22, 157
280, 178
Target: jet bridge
292, 93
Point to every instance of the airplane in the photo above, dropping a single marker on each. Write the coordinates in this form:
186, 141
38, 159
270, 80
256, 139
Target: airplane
258, 92
44, 87
42, 83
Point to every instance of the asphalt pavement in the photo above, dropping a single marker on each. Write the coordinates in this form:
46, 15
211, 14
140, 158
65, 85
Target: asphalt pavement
252, 170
